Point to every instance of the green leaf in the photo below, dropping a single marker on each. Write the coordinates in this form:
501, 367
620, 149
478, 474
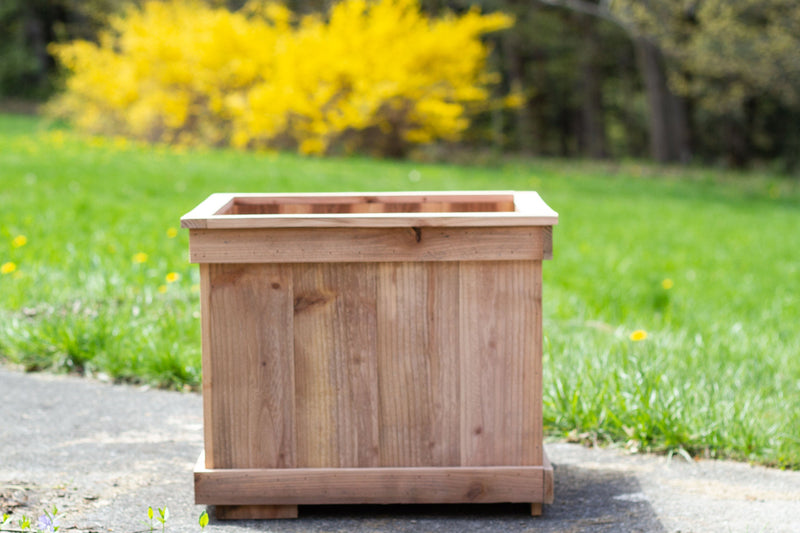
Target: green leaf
203, 519
150, 513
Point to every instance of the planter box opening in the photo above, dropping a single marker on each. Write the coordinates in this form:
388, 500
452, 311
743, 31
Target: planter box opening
334, 204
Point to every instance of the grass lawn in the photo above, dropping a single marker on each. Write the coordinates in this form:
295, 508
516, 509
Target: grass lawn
96, 279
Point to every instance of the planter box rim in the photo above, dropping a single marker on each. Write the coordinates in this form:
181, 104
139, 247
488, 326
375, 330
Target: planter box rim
370, 210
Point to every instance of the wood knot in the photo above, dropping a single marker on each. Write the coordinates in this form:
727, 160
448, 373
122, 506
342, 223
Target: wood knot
475, 491
303, 302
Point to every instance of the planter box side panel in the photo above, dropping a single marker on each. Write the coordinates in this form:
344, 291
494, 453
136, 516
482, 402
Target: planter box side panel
372, 364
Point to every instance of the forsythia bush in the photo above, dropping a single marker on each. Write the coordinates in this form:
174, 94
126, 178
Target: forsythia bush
378, 75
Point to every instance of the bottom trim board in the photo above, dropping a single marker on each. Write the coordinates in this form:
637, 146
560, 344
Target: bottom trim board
320, 486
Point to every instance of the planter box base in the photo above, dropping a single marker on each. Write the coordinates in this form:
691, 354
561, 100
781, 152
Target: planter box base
268, 493
255, 512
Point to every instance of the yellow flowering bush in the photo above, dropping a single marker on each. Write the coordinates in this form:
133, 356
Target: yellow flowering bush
377, 75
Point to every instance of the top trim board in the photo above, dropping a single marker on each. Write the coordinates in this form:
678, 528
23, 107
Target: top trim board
465, 209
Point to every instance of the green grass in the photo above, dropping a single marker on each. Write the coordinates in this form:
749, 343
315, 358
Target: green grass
718, 374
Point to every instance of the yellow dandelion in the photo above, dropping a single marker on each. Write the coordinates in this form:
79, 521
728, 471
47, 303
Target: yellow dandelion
140, 257
667, 284
57, 137
97, 142
19, 241
162, 289
172, 277
172, 233
120, 143
638, 335
8, 268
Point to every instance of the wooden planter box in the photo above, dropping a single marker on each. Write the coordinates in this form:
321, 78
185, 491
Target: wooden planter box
371, 348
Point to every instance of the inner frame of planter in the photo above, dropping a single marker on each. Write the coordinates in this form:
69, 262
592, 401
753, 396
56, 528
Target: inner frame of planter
367, 204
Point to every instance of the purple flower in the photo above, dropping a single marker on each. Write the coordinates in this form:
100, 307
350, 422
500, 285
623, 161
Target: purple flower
47, 524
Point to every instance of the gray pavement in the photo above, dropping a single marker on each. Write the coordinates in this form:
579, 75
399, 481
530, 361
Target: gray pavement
103, 453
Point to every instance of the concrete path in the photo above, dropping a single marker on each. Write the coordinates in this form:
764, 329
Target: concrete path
104, 453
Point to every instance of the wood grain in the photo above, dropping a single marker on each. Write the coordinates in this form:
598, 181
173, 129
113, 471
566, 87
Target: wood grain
207, 355
293, 206
249, 390
337, 381
418, 369
500, 364
468, 209
215, 204
549, 485
254, 512
375, 220
320, 486
342, 245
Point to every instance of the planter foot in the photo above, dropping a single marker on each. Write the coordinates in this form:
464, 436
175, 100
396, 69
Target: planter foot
536, 509
255, 512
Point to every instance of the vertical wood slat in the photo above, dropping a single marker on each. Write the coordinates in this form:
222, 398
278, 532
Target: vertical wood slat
500, 369
334, 346
250, 381
418, 364
209, 408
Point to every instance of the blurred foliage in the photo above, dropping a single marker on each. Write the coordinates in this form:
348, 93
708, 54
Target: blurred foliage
27, 26
725, 53
737, 63
378, 76
708, 80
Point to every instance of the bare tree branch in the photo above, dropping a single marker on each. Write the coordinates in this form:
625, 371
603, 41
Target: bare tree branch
600, 10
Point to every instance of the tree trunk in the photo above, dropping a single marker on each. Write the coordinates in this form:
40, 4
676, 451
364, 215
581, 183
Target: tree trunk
593, 132
36, 40
679, 111
669, 139
515, 69
737, 135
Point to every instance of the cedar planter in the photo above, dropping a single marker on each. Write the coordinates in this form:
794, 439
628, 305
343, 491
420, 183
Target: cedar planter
371, 348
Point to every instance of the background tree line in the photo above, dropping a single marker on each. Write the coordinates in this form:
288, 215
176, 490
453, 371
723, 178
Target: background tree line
674, 80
